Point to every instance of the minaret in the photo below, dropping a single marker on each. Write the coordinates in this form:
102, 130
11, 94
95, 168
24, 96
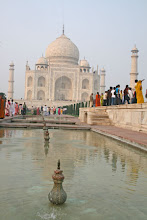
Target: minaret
134, 67
102, 81
11, 81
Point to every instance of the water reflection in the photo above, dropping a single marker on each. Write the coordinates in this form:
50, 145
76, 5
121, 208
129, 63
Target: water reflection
114, 162
1, 135
46, 147
123, 163
104, 168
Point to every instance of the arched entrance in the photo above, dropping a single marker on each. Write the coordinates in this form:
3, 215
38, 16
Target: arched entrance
41, 81
85, 84
40, 95
63, 89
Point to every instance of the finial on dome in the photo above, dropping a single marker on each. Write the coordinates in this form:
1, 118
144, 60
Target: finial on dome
63, 28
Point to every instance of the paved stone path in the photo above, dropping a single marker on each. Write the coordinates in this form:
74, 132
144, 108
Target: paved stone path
132, 136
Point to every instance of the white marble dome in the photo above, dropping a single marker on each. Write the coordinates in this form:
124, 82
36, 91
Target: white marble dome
84, 63
42, 61
62, 50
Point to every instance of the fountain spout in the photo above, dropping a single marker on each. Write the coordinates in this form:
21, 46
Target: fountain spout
57, 195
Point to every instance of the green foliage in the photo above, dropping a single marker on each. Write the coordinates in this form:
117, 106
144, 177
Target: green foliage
35, 112
3, 95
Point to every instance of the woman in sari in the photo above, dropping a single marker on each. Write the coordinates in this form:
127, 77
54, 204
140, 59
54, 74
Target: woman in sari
16, 108
97, 100
38, 111
2, 107
102, 99
139, 94
7, 109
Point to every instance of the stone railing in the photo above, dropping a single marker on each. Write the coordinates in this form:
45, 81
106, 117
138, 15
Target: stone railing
130, 116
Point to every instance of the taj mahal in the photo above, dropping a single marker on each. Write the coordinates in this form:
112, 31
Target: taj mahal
59, 77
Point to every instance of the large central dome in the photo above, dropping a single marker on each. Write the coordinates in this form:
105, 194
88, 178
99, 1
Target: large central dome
62, 50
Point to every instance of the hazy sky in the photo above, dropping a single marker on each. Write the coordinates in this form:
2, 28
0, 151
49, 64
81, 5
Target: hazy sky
105, 31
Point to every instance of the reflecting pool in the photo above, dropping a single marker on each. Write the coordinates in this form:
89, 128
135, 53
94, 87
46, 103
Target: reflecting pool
104, 179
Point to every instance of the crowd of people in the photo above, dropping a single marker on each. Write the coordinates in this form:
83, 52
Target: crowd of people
45, 110
11, 108
113, 96
116, 96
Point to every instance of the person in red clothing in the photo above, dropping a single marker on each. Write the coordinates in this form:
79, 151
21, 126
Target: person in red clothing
38, 111
2, 107
97, 100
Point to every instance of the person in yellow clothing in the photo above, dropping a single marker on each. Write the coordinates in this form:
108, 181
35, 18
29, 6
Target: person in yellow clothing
139, 94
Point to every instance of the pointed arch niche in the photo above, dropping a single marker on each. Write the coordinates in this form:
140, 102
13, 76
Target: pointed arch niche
40, 95
41, 81
63, 89
85, 84
30, 81
85, 97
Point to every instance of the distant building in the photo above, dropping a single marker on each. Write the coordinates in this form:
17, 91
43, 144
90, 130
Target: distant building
60, 77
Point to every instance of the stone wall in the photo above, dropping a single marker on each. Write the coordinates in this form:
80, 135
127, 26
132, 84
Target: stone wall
130, 116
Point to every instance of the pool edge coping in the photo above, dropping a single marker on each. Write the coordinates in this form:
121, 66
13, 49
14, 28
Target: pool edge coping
123, 140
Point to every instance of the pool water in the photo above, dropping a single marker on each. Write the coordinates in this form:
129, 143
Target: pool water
104, 179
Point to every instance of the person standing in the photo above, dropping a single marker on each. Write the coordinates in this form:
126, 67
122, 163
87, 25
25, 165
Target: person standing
126, 95
121, 97
49, 110
113, 97
38, 111
12, 108
54, 110
7, 109
2, 107
91, 100
109, 95
24, 108
117, 90
105, 99
59, 111
97, 100
130, 94
139, 94
16, 108
101, 99
45, 110
20, 109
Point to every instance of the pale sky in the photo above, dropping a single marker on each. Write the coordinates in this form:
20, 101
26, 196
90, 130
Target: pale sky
104, 31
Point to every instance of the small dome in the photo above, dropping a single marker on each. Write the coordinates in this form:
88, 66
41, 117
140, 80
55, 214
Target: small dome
42, 61
62, 49
11, 64
84, 63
